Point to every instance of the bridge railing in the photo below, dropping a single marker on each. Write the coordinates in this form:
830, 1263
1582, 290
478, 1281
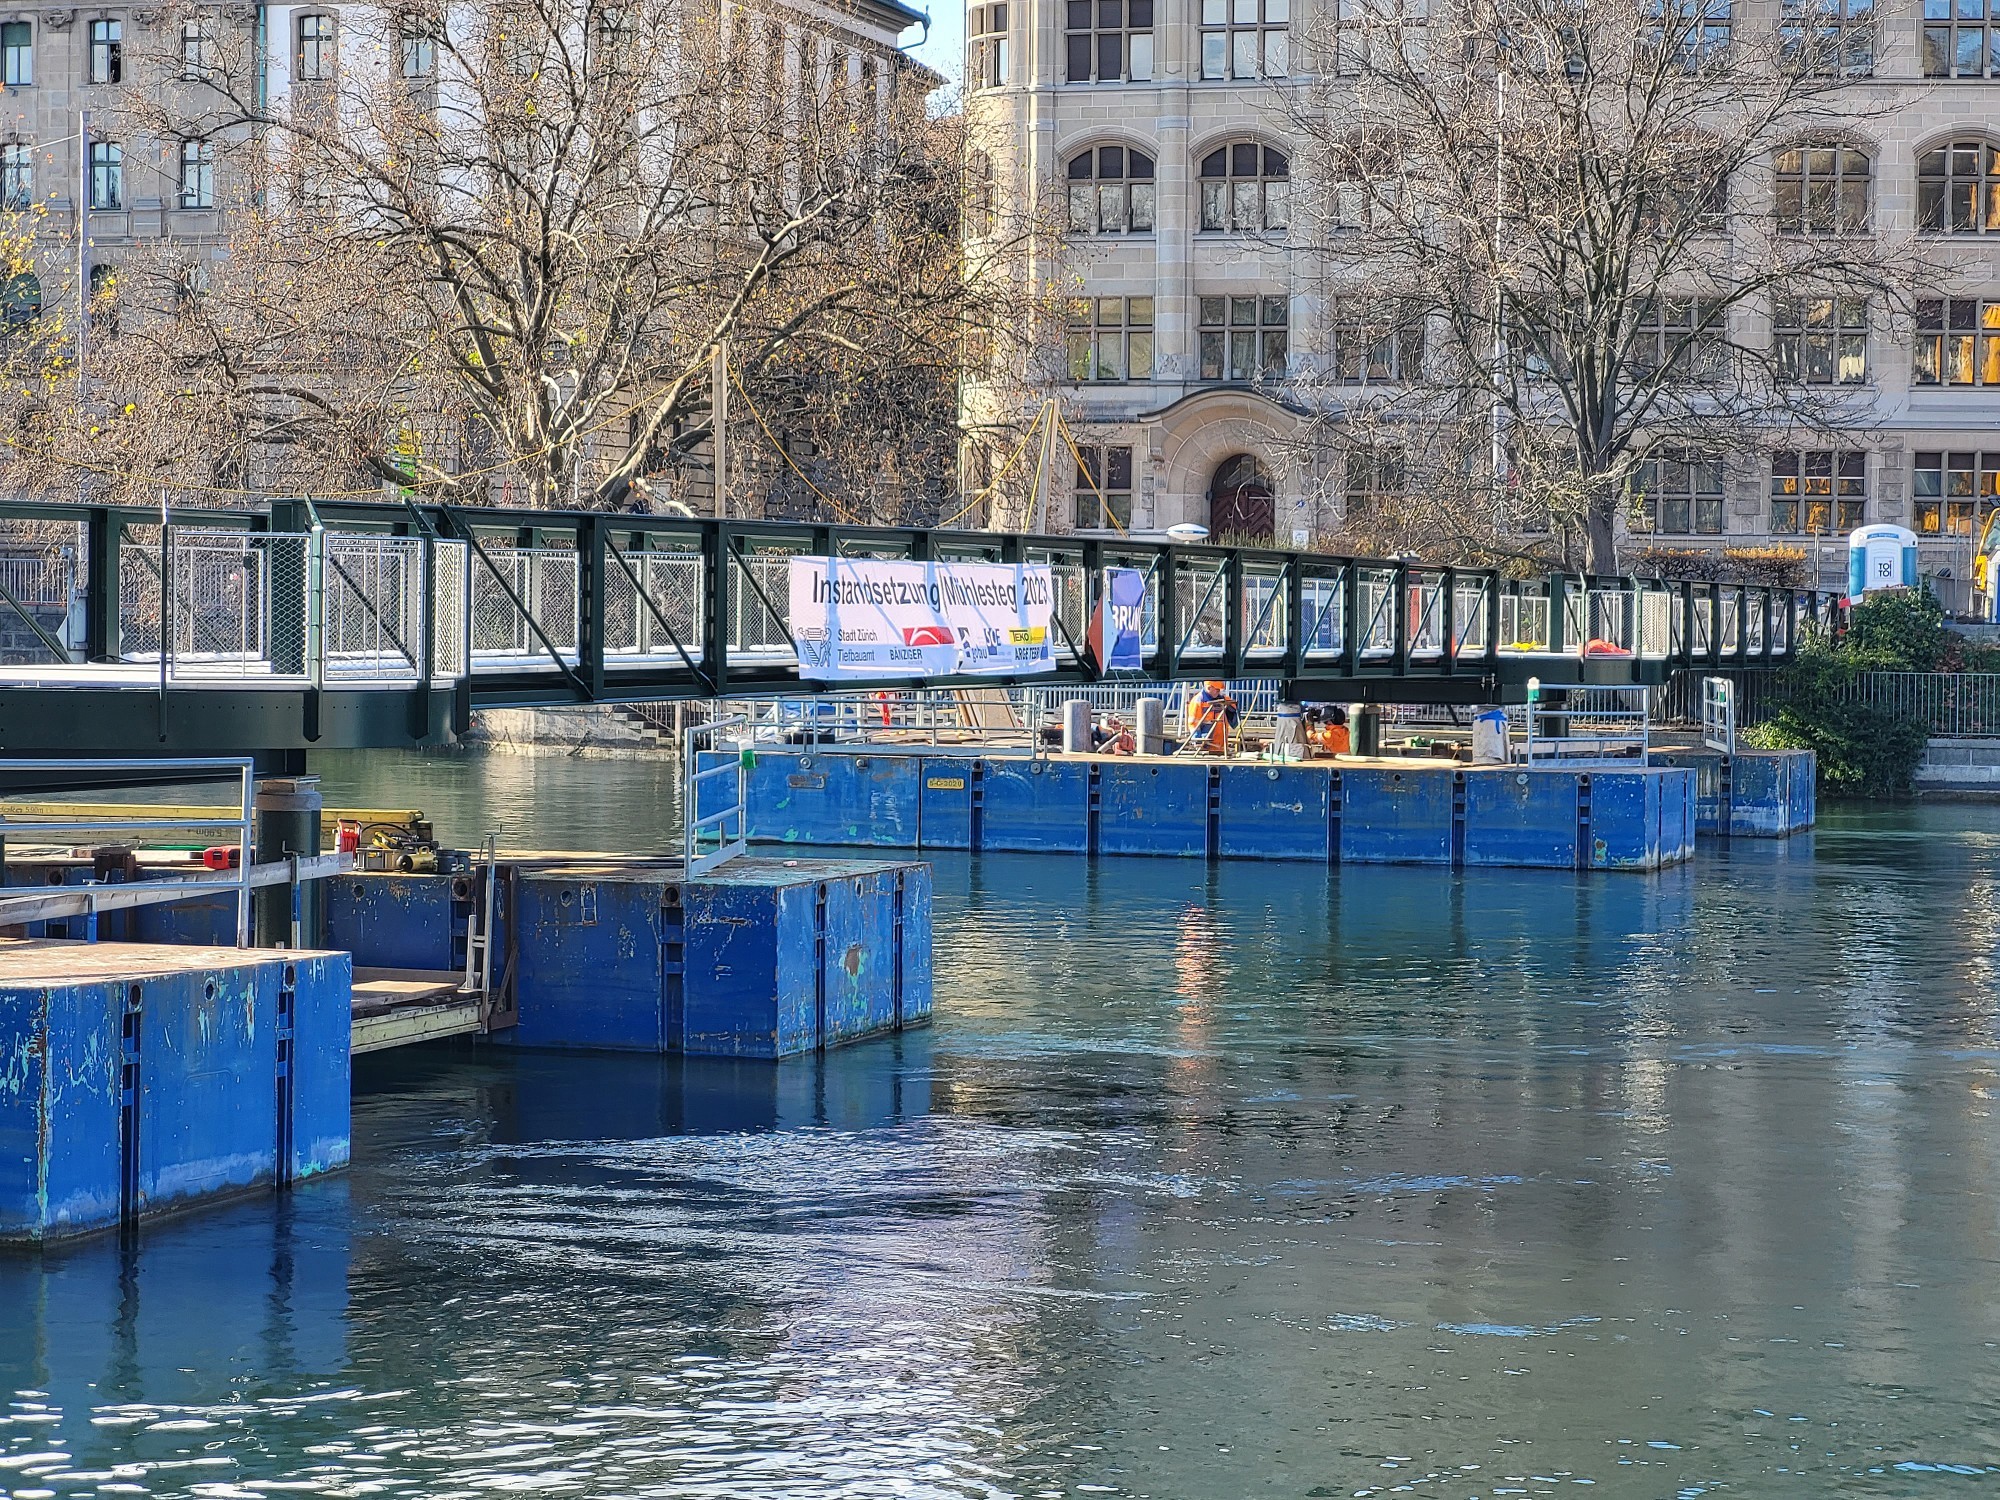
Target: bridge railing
226, 603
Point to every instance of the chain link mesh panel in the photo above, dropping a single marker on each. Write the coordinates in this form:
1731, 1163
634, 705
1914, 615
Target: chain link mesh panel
1655, 623
754, 625
1524, 622
1264, 606
373, 606
1200, 611
1325, 621
449, 641
41, 569
544, 580
1469, 615
670, 609
1429, 621
140, 581
237, 605
1378, 619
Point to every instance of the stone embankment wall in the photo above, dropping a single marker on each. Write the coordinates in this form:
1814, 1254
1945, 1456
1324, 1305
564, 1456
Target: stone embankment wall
599, 732
1960, 768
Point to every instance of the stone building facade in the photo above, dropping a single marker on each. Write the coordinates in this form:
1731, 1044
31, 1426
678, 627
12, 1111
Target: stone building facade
86, 168
1179, 105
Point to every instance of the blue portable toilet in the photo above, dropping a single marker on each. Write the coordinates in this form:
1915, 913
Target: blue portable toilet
1881, 557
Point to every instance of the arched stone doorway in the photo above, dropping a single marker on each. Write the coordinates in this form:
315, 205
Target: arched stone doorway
1241, 500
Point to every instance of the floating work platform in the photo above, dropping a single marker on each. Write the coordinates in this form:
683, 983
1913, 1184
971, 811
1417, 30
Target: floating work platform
759, 958
140, 1078
1350, 810
1751, 794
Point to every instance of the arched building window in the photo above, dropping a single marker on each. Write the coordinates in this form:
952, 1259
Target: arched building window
1111, 191
1823, 188
1245, 187
1958, 188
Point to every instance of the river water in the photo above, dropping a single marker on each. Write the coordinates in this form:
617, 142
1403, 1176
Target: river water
1208, 1182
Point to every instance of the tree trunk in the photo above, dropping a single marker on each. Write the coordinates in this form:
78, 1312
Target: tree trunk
1601, 536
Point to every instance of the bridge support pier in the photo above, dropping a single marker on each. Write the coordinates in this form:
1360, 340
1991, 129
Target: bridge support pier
1366, 722
288, 812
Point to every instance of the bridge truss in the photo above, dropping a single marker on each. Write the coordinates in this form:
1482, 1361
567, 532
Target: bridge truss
353, 624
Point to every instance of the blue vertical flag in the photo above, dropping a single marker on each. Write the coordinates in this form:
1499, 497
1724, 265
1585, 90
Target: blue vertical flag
1115, 633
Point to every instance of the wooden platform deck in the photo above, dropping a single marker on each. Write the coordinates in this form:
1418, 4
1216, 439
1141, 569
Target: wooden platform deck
395, 1007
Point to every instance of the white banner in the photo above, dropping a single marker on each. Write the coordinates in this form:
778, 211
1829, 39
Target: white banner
873, 617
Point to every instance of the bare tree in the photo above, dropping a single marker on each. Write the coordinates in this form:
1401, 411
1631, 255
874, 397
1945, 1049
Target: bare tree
1549, 243
492, 252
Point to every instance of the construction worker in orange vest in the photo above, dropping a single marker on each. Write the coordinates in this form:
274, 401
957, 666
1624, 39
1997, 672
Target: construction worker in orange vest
1326, 731
1211, 714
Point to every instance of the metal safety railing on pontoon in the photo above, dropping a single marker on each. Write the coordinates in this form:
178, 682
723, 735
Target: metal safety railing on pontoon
1718, 714
27, 826
715, 826
1582, 725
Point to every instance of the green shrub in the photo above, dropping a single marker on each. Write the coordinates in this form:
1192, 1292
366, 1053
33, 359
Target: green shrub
1899, 631
1862, 751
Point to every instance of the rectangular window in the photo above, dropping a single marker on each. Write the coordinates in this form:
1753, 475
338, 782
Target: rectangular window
1828, 38
1961, 39
1374, 477
1682, 335
1103, 484
17, 52
1245, 38
1958, 341
1108, 41
1245, 339
315, 48
614, 40
1955, 491
197, 174
1679, 494
1366, 202
1694, 31
17, 175
1376, 340
104, 298
986, 47
107, 51
107, 175
1822, 340
199, 52
1379, 32
1822, 189
419, 47
1818, 491
1109, 339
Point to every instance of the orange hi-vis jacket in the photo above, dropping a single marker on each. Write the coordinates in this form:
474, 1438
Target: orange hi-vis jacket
1209, 722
